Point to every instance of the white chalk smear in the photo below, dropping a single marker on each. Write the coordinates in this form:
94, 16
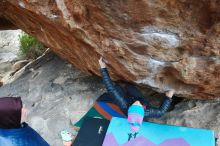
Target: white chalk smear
66, 14
21, 4
154, 66
155, 36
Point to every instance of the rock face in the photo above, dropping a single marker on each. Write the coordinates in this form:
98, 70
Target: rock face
9, 50
163, 44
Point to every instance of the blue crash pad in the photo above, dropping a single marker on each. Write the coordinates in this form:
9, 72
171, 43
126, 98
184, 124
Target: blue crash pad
151, 134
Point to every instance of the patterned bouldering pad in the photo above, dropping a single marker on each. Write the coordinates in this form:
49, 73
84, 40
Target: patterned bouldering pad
151, 134
102, 110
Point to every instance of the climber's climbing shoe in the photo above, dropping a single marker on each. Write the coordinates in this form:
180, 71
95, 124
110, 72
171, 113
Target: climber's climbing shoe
66, 136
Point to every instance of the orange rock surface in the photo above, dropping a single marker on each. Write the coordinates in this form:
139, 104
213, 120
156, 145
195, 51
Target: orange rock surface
162, 44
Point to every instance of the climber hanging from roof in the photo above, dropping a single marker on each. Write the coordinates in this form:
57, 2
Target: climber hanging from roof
131, 101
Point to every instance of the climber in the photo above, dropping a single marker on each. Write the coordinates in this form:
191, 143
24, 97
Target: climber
130, 99
13, 129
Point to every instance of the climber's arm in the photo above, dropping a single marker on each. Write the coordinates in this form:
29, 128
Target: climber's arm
106, 78
111, 88
158, 112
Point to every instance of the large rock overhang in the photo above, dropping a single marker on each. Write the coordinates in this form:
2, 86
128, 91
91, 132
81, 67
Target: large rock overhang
168, 44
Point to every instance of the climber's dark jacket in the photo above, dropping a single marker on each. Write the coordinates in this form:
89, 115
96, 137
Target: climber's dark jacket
150, 111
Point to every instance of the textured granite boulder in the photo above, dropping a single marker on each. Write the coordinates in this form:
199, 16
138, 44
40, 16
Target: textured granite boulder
162, 44
9, 50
